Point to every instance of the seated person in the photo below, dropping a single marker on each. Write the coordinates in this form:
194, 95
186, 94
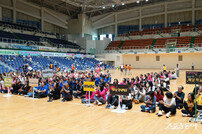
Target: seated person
100, 96
42, 91
189, 106
168, 105
127, 102
159, 95
86, 100
163, 86
25, 89
54, 92
179, 97
16, 87
78, 91
66, 93
173, 75
150, 102
140, 94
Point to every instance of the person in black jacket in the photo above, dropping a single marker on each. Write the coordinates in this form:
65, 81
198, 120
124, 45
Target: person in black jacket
78, 91
25, 89
54, 92
66, 93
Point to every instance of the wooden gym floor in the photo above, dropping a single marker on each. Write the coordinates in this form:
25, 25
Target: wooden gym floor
20, 115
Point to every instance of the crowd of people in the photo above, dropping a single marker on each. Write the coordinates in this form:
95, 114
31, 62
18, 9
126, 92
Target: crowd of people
152, 90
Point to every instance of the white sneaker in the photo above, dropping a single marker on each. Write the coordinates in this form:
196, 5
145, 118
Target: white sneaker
160, 113
184, 115
112, 107
99, 103
167, 115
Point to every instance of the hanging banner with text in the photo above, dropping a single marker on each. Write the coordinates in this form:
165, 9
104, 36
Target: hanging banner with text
193, 77
119, 89
89, 86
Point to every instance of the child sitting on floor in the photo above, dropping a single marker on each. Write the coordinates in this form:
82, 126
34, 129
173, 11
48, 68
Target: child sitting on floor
150, 102
189, 107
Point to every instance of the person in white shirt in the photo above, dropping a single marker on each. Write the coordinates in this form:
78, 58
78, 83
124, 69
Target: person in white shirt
173, 75
168, 105
140, 94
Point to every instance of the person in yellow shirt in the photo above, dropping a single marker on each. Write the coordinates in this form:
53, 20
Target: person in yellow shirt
164, 68
189, 106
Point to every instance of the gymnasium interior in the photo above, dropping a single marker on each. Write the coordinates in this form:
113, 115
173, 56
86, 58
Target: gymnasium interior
78, 40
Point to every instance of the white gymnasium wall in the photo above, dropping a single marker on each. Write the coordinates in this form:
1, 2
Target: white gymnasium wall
90, 44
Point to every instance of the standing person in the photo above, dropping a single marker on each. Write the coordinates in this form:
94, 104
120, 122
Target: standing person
129, 70
73, 68
121, 67
125, 68
168, 105
24, 68
164, 68
192, 66
177, 70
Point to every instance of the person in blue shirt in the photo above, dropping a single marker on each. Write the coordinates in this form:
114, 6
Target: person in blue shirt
150, 101
97, 80
179, 97
42, 91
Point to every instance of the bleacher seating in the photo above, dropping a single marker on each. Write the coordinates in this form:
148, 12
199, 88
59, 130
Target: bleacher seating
137, 44
41, 63
113, 45
180, 41
36, 39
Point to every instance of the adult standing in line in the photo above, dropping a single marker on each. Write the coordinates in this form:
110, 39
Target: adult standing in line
192, 66
177, 70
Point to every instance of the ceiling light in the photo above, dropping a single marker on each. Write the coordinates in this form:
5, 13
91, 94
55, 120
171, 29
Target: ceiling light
147, 0
103, 7
138, 1
123, 4
113, 5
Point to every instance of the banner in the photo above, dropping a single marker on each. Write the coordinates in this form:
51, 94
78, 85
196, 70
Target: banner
89, 86
31, 53
33, 82
24, 47
48, 73
119, 89
8, 52
8, 82
78, 55
47, 48
193, 77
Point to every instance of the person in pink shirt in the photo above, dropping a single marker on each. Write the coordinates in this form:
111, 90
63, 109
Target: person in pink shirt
86, 100
123, 82
100, 96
